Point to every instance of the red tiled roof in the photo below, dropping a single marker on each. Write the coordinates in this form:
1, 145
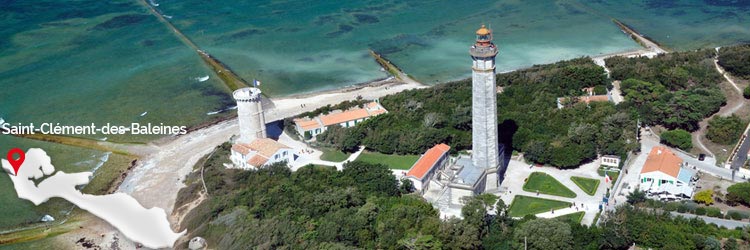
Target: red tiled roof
307, 124
349, 115
428, 160
663, 160
266, 147
257, 161
242, 148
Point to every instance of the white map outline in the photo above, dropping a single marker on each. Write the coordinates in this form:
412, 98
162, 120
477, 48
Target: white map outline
149, 227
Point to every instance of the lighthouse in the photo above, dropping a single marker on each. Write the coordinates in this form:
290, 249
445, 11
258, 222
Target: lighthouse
485, 147
250, 114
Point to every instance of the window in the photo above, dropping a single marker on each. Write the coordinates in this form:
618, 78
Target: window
276, 157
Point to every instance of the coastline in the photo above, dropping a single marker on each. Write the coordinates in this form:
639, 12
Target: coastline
157, 176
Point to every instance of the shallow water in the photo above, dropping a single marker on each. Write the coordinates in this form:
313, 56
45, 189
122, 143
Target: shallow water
78, 62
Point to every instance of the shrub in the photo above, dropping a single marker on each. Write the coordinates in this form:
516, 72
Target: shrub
678, 138
739, 192
725, 130
734, 215
746, 93
713, 212
672, 206
735, 60
682, 208
738, 215
704, 197
700, 211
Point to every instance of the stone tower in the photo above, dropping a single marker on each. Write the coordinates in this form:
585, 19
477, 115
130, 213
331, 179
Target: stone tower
485, 148
250, 114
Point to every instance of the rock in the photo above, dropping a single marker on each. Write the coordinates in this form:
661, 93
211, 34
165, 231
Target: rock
47, 218
197, 243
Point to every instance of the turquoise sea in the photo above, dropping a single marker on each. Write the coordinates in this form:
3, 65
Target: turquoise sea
86, 61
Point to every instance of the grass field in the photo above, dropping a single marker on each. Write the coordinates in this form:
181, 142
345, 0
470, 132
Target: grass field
523, 205
588, 185
546, 184
574, 217
392, 161
612, 174
333, 155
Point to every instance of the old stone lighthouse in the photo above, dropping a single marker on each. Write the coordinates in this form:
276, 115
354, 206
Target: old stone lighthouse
485, 149
444, 180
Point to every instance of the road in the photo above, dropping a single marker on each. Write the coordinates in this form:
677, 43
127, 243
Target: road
741, 156
711, 220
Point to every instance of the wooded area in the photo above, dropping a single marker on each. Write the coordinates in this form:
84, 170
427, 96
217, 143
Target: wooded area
363, 207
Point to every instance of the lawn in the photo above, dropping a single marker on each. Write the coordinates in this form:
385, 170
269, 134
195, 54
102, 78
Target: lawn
546, 184
392, 161
588, 185
574, 217
333, 155
524, 205
612, 174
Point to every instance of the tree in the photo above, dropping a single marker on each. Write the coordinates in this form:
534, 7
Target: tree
736, 60
731, 244
725, 130
635, 197
407, 186
543, 234
739, 192
746, 92
704, 197
677, 138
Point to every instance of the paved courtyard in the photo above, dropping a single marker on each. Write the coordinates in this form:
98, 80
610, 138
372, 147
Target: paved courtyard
518, 171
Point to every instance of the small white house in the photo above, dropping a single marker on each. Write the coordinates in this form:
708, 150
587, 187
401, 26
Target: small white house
261, 152
610, 161
664, 177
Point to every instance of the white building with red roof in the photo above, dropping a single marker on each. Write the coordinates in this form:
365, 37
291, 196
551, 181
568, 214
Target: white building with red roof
424, 169
260, 152
310, 127
664, 177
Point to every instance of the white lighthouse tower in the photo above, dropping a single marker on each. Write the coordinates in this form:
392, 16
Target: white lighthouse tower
250, 114
485, 147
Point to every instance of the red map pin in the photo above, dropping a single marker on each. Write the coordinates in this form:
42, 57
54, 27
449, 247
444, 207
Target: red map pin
16, 163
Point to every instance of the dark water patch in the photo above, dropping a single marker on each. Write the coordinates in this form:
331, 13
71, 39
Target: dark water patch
56, 24
729, 3
398, 43
241, 34
224, 99
678, 13
343, 60
380, 7
661, 4
365, 18
148, 43
343, 29
288, 29
306, 59
121, 21
326, 19
571, 10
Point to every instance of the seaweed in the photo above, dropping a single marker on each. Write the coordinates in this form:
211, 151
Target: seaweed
121, 21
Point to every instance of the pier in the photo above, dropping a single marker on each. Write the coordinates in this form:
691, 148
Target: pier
230, 79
